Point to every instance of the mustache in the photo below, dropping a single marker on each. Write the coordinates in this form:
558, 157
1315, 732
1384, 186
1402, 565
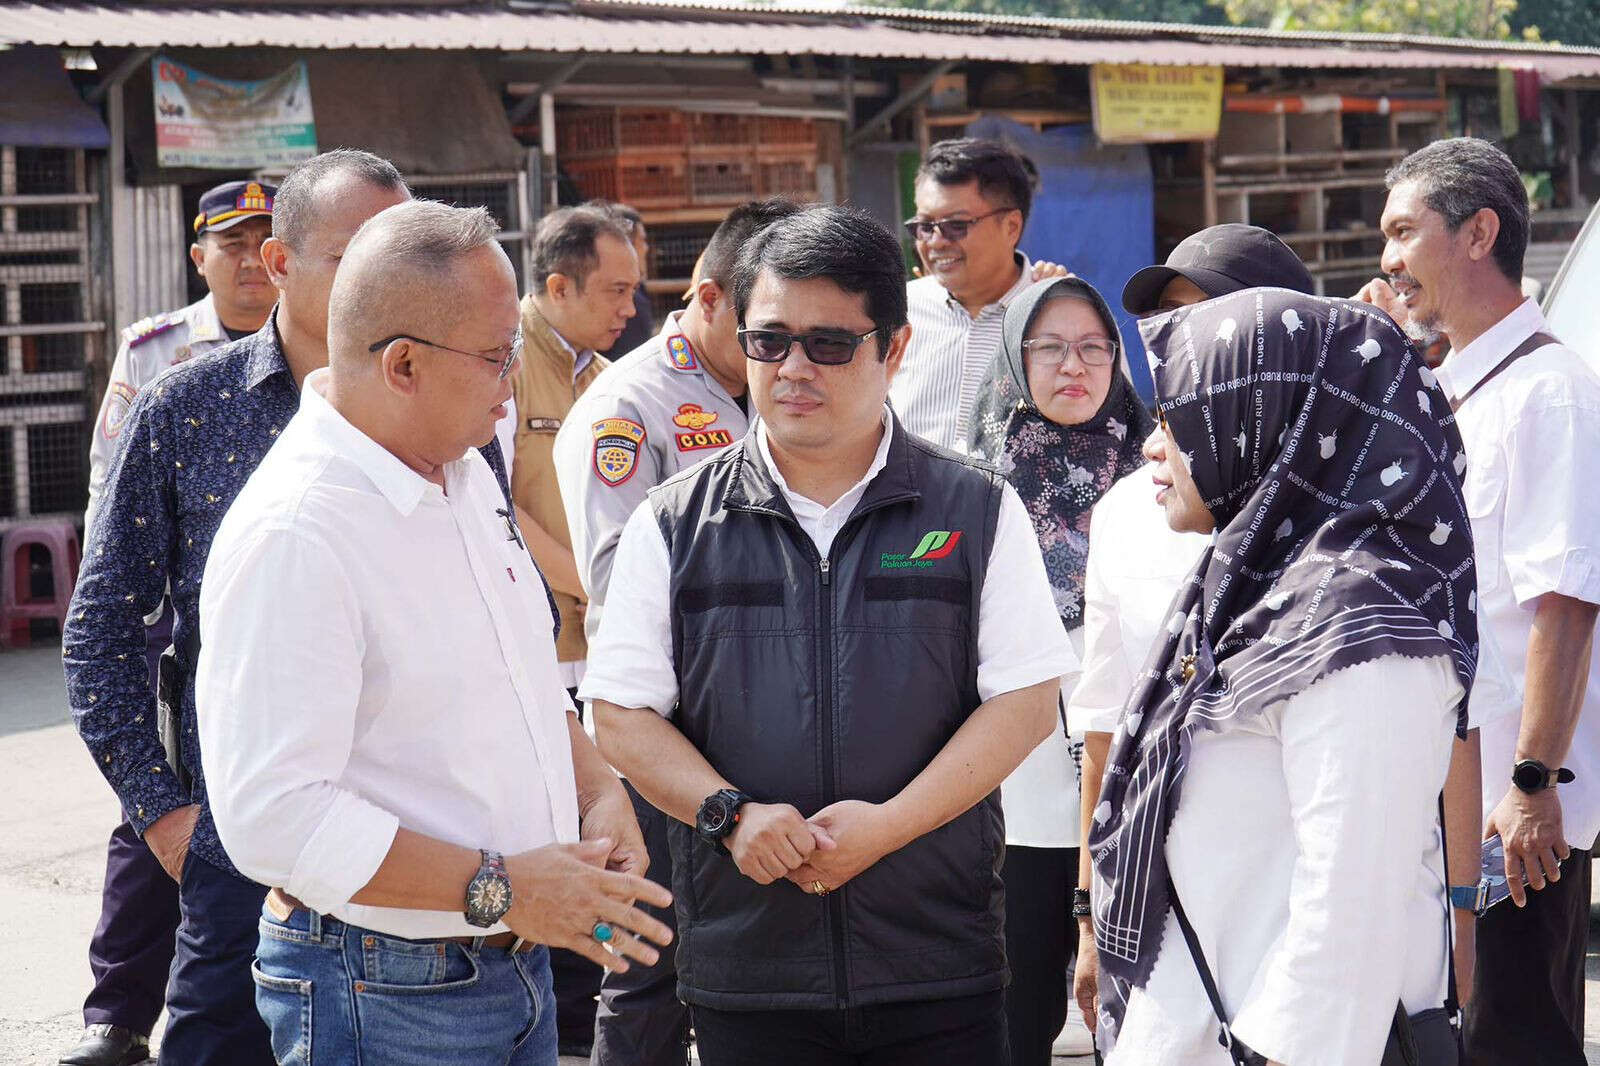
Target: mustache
796, 392
1404, 279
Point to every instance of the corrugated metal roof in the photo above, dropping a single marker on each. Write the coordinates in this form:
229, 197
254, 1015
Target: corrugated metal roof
887, 34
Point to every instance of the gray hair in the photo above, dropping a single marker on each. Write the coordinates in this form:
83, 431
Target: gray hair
1459, 177
294, 208
398, 272
567, 243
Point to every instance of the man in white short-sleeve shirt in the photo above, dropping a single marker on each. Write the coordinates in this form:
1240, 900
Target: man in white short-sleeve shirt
388, 742
1528, 408
822, 653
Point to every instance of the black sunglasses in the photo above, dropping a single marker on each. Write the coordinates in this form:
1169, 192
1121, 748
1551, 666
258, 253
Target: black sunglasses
823, 348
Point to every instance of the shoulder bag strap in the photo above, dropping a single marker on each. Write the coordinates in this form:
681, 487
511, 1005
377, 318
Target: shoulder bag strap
1532, 344
1452, 997
1240, 1053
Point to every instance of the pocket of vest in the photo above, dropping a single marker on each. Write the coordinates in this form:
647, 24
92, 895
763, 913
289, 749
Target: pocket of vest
730, 594
951, 590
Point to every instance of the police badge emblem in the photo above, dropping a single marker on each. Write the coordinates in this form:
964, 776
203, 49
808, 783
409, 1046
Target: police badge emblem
616, 449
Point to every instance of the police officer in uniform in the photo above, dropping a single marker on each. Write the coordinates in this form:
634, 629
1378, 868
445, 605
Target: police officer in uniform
673, 401
132, 947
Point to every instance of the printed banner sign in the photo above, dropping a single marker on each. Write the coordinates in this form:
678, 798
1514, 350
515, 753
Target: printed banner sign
1139, 102
214, 123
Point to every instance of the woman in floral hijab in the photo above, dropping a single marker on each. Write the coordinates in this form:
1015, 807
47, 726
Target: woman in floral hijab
1061, 420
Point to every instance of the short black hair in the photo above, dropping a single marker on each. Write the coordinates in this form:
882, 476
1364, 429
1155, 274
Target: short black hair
294, 208
567, 240
846, 246
721, 256
1005, 176
630, 217
1459, 177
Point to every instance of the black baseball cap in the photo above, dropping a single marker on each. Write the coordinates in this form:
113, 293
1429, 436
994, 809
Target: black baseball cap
1219, 260
231, 203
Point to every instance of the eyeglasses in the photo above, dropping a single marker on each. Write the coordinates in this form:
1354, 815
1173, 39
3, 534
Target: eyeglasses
512, 351
822, 348
1050, 352
953, 229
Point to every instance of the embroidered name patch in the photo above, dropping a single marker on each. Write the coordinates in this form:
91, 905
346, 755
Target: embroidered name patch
706, 438
616, 449
680, 355
543, 425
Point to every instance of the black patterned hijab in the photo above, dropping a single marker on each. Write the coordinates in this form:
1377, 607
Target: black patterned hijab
1060, 472
1331, 461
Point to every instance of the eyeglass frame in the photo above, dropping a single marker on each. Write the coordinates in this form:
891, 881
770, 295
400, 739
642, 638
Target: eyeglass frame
1075, 348
510, 360
803, 338
937, 226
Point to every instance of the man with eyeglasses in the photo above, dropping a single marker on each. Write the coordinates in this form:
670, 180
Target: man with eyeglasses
822, 652
972, 199
390, 745
188, 443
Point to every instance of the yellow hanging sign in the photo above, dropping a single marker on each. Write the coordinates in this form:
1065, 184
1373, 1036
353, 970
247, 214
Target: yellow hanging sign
1140, 102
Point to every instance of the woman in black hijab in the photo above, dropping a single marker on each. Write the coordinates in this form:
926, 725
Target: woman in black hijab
1061, 420
1279, 763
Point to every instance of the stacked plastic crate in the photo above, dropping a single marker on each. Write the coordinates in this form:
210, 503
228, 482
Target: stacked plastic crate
49, 332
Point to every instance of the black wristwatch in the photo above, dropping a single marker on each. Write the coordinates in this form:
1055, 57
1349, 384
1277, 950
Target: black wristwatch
1532, 776
1080, 903
719, 816
489, 892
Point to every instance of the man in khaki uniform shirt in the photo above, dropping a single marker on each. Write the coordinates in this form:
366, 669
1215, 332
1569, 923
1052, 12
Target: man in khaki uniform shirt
584, 274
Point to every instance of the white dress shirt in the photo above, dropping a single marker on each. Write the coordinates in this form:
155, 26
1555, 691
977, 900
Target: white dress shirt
948, 357
376, 653
1020, 638
1530, 433
1305, 851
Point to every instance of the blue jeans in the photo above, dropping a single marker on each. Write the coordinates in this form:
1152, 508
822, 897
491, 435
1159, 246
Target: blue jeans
333, 993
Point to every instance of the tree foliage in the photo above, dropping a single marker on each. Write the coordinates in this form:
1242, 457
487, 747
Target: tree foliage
1489, 19
1574, 22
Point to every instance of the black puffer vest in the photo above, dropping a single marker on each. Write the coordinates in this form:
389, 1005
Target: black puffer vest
806, 680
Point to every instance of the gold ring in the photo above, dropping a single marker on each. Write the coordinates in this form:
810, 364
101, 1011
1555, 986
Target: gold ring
819, 888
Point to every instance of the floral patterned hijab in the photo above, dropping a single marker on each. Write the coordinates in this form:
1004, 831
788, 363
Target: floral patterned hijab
1059, 471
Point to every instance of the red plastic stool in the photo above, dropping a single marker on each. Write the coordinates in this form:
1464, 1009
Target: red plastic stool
18, 607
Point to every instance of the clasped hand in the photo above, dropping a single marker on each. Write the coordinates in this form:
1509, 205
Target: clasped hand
774, 841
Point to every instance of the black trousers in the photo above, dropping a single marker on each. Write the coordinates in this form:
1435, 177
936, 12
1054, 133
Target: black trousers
640, 1021
967, 1031
1527, 989
1041, 939
211, 999
575, 979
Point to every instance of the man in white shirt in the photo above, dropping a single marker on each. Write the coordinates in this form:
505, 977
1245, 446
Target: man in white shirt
1528, 408
386, 737
972, 201
823, 651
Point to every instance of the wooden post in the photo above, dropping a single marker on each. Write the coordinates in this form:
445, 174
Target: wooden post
1575, 154
1208, 171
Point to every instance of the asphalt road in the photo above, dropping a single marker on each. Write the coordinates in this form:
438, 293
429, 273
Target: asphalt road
53, 829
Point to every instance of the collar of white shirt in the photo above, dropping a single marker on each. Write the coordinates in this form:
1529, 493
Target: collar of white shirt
1024, 279
580, 360
808, 510
1463, 370
402, 486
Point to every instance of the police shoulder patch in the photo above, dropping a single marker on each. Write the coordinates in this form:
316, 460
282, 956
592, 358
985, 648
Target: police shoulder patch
616, 449
146, 328
119, 397
680, 354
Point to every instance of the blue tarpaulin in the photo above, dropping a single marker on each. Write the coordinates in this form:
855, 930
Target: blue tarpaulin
1094, 213
39, 108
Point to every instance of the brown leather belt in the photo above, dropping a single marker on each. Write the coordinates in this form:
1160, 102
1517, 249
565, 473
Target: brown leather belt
282, 905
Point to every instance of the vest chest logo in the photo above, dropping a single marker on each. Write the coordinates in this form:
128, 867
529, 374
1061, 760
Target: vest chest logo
543, 425
680, 355
616, 449
936, 544
693, 417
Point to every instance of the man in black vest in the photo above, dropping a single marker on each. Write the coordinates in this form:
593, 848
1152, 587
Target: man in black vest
823, 651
